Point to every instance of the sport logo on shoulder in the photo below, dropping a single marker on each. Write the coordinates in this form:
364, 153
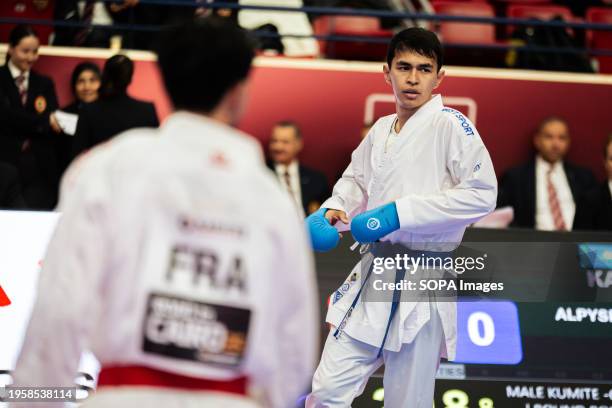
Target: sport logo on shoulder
373, 224
4, 299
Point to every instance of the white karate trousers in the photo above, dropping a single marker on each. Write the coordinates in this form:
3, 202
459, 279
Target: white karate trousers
347, 364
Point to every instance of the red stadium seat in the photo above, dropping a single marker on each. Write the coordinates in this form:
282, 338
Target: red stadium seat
352, 26
28, 10
539, 12
599, 39
465, 33
525, 1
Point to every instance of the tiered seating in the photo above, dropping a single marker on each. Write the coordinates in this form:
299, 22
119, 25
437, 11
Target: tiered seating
599, 39
352, 26
465, 33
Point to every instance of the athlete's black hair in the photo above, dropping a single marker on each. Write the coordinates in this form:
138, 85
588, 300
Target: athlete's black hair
419, 40
201, 60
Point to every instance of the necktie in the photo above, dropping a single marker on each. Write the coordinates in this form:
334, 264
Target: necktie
553, 203
21, 87
86, 19
287, 178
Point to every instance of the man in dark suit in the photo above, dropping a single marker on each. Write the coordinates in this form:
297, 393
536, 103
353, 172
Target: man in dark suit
10, 191
307, 187
91, 12
544, 191
115, 111
594, 211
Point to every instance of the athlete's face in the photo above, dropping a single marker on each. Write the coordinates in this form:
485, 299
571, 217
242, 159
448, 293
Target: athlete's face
284, 144
25, 54
413, 78
553, 141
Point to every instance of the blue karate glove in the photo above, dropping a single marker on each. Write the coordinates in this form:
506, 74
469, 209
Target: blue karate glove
323, 236
372, 225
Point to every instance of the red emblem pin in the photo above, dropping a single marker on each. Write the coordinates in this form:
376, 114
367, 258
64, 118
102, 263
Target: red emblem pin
40, 104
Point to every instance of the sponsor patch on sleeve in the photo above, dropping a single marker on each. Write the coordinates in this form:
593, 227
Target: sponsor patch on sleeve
463, 122
196, 331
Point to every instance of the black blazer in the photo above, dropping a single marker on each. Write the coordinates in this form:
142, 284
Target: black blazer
517, 188
37, 165
314, 187
594, 211
107, 117
18, 122
10, 191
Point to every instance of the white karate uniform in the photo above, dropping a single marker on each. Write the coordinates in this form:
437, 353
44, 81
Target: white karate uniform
159, 261
440, 175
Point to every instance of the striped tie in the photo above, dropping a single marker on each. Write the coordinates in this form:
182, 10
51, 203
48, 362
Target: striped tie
553, 202
287, 178
86, 20
23, 92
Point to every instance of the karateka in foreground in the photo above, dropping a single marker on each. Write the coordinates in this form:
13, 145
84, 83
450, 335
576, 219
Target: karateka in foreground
418, 179
188, 294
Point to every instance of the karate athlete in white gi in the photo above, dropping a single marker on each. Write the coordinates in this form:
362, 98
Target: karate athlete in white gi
418, 179
178, 261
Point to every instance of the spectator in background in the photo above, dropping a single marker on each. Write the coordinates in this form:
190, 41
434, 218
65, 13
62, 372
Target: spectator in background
284, 23
85, 87
86, 12
594, 211
307, 187
133, 12
115, 111
28, 128
10, 191
544, 191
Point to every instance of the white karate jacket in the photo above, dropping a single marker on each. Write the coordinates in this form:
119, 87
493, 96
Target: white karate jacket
440, 175
173, 240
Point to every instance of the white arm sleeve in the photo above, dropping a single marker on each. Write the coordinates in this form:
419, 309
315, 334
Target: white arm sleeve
473, 196
68, 300
297, 322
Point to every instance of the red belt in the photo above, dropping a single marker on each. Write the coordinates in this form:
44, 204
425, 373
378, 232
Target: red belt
145, 376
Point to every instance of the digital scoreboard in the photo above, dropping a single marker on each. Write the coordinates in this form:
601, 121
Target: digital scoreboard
543, 342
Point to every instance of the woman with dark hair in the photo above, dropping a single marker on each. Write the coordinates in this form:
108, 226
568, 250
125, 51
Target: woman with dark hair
115, 111
85, 87
28, 128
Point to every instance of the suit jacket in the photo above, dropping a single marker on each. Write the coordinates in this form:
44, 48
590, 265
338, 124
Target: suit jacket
594, 211
68, 11
37, 164
313, 185
107, 117
517, 188
10, 191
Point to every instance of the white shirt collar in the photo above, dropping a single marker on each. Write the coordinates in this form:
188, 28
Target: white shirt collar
292, 168
15, 72
546, 166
